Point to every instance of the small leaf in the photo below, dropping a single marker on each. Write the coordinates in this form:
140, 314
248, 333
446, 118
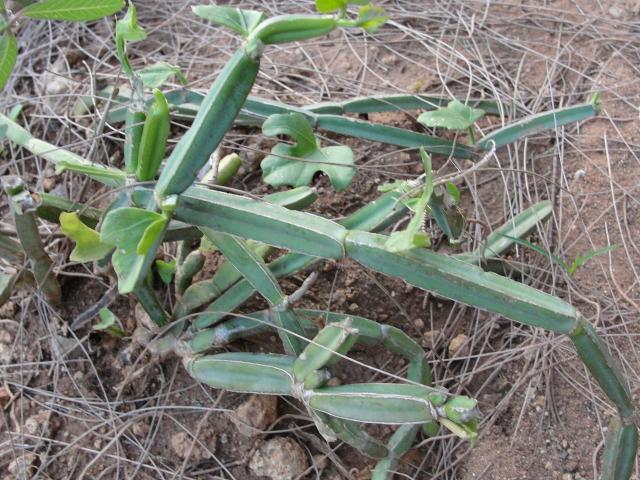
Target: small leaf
166, 270
242, 21
328, 6
15, 112
7, 282
73, 10
89, 247
128, 30
125, 228
150, 236
154, 76
371, 18
580, 260
108, 175
413, 236
295, 165
8, 55
109, 323
455, 116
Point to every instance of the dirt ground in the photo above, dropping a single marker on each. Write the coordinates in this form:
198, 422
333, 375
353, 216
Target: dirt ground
81, 404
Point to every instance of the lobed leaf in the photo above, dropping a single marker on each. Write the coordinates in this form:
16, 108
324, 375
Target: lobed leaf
455, 116
72, 10
295, 165
89, 247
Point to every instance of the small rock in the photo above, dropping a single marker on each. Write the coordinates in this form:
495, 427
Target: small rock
567, 476
140, 429
8, 310
616, 12
22, 467
418, 323
256, 414
389, 60
459, 346
48, 184
353, 307
185, 446
564, 444
37, 424
320, 461
571, 466
429, 338
280, 458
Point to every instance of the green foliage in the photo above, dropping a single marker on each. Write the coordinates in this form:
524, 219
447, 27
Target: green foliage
242, 21
89, 247
166, 270
328, 6
371, 18
8, 55
109, 323
135, 233
154, 76
128, 31
295, 165
569, 268
72, 10
414, 236
455, 116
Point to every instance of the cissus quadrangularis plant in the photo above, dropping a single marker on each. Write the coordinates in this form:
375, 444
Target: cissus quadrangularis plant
147, 212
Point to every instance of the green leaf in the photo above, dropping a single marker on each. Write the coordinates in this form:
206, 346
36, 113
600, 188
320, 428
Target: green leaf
89, 247
73, 10
536, 248
328, 6
446, 212
8, 55
107, 175
295, 165
109, 323
157, 74
371, 18
413, 236
455, 116
7, 282
128, 30
166, 270
150, 236
125, 228
15, 111
242, 21
580, 260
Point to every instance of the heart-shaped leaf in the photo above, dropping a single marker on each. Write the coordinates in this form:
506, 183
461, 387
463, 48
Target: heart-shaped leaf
455, 116
296, 164
89, 247
242, 21
154, 76
126, 229
109, 323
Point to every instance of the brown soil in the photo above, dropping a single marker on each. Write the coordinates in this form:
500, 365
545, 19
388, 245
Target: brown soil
90, 406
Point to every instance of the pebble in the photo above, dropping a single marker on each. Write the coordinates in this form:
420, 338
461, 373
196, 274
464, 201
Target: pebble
459, 346
429, 338
280, 458
22, 466
184, 446
256, 414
